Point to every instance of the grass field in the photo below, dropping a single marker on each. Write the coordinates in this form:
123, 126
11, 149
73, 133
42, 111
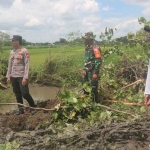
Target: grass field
39, 54
66, 62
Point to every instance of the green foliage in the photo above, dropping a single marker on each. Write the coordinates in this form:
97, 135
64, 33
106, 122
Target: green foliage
4, 40
75, 106
10, 145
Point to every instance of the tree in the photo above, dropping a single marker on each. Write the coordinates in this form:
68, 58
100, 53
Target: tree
4, 38
62, 40
75, 38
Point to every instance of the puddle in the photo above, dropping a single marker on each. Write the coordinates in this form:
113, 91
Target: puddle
39, 93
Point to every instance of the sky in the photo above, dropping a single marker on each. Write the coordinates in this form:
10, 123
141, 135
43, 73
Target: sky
50, 20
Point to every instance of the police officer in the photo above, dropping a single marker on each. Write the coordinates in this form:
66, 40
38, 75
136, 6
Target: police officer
17, 73
92, 62
147, 87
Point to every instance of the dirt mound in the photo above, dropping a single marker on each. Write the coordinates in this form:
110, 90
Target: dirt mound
28, 121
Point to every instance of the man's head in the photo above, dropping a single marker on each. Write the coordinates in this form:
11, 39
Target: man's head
16, 40
88, 37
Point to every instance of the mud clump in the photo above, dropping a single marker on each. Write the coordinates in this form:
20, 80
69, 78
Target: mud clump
28, 121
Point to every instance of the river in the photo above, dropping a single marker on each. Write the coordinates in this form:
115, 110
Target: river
38, 92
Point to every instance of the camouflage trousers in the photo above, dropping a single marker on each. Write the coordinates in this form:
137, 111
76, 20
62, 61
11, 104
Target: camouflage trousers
92, 82
88, 78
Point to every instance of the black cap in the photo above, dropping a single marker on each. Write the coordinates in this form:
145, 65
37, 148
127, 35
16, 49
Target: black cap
17, 38
147, 28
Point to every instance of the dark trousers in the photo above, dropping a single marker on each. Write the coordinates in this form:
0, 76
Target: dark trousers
21, 91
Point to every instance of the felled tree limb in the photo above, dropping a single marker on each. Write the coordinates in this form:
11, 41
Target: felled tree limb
65, 107
111, 109
36, 108
126, 103
136, 82
124, 87
2, 85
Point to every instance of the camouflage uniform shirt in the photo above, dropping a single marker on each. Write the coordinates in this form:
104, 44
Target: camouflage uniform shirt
92, 59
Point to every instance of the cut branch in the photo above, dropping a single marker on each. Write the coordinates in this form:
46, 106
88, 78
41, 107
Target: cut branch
3, 86
126, 103
65, 107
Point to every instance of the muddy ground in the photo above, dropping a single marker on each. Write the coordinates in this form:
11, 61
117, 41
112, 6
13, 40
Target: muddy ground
34, 132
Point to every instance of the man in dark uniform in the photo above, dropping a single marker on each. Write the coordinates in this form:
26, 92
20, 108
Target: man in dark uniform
17, 73
92, 62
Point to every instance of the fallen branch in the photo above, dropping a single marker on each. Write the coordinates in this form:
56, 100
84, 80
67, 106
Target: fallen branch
36, 108
136, 82
64, 107
3, 86
126, 103
111, 109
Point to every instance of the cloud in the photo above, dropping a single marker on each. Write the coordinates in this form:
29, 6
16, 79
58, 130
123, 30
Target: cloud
136, 1
49, 20
6, 3
33, 22
144, 3
90, 6
127, 25
107, 8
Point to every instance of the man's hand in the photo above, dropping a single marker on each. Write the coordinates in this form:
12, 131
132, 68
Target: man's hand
24, 82
147, 99
8, 80
95, 76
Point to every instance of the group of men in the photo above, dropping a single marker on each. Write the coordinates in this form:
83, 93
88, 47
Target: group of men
18, 71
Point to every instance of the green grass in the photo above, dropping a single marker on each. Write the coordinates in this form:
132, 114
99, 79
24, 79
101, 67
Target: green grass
39, 54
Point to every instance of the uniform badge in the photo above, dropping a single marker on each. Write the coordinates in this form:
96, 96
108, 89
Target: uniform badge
27, 54
97, 52
20, 52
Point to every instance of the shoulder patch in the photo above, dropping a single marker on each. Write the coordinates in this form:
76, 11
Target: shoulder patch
97, 52
27, 54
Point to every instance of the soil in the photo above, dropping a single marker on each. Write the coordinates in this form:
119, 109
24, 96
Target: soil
28, 121
34, 132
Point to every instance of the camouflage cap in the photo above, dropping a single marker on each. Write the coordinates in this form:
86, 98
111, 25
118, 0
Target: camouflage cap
147, 28
88, 35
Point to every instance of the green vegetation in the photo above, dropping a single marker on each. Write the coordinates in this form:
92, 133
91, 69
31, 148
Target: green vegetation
10, 145
122, 76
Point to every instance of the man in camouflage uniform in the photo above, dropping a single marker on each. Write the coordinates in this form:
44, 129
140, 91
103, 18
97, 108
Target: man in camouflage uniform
92, 62
17, 73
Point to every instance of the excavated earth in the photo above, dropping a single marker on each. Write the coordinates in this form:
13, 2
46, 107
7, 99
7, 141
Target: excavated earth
33, 132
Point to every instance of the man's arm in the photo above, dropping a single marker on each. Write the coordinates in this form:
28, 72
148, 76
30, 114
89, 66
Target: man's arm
147, 87
9, 67
26, 62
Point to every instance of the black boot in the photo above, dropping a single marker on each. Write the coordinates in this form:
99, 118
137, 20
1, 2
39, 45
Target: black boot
20, 111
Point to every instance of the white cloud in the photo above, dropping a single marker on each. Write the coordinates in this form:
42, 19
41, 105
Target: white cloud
144, 3
49, 20
90, 6
127, 25
33, 22
107, 8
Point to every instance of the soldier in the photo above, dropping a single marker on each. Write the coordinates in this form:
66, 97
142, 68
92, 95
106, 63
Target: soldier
147, 87
17, 73
92, 62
